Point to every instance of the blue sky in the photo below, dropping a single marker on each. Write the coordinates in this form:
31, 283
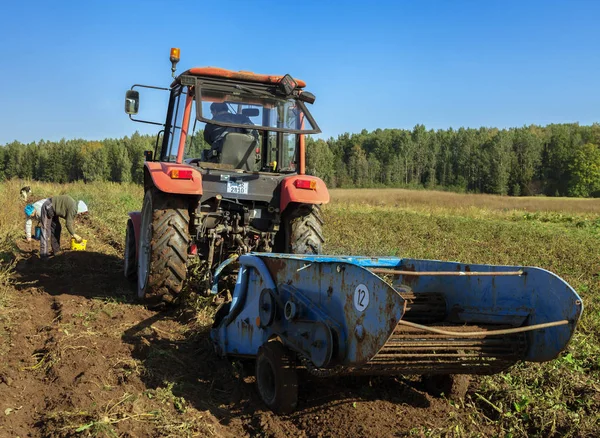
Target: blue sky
65, 65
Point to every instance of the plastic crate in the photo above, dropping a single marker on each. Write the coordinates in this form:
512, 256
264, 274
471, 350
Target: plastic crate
78, 246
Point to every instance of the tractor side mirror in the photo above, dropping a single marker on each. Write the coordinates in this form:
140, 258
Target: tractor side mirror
132, 102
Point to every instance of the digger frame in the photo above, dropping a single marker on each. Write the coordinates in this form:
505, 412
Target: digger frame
388, 316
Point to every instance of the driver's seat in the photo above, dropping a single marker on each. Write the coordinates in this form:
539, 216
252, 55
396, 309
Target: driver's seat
239, 150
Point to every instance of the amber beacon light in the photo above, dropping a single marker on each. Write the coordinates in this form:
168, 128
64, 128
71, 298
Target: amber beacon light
174, 58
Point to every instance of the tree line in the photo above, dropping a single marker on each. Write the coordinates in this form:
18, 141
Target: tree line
118, 160
555, 160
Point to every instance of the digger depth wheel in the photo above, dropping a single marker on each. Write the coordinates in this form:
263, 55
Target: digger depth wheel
129, 265
163, 247
276, 378
302, 228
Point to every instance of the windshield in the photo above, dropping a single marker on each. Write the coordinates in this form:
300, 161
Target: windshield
240, 105
195, 141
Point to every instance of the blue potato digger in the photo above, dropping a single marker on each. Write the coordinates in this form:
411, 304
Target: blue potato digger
387, 316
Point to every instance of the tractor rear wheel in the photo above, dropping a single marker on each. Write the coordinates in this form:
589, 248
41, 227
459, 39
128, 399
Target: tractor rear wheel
163, 247
302, 230
129, 265
276, 378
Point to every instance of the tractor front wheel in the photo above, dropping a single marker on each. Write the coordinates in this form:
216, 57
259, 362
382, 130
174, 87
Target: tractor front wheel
276, 378
163, 247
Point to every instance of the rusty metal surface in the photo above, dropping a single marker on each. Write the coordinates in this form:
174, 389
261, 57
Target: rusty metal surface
342, 314
366, 308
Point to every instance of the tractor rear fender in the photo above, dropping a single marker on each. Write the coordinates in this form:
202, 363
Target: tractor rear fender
292, 190
168, 178
136, 219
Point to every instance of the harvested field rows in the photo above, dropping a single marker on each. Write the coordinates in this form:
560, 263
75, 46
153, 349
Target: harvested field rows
79, 357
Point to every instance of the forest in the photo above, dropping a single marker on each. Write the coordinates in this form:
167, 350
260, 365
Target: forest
554, 160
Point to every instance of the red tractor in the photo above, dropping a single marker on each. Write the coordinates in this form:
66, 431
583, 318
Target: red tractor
248, 192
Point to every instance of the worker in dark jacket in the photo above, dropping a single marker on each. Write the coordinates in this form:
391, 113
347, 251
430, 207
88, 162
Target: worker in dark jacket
215, 134
57, 207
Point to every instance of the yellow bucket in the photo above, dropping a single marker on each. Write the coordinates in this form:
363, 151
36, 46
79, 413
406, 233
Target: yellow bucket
78, 246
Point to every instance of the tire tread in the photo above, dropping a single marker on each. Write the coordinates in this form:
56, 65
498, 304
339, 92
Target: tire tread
168, 248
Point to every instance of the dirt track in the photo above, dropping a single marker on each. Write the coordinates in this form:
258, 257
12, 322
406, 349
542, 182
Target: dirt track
85, 359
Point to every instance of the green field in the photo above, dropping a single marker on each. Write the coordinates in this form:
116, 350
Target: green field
562, 235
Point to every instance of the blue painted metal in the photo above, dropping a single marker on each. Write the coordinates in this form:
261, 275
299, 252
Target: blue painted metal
214, 289
323, 293
340, 313
537, 297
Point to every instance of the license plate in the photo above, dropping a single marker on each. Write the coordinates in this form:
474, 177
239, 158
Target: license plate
239, 188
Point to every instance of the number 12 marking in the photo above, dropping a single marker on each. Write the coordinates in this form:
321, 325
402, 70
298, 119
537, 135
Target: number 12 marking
361, 297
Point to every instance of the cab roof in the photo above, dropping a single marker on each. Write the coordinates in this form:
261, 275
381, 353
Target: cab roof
248, 76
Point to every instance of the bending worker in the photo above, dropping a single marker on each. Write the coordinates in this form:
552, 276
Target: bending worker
56, 207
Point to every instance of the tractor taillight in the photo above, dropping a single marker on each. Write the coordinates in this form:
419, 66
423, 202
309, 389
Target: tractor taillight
181, 174
307, 184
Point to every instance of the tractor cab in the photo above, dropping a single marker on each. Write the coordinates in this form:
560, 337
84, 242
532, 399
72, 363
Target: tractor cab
250, 125
234, 120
